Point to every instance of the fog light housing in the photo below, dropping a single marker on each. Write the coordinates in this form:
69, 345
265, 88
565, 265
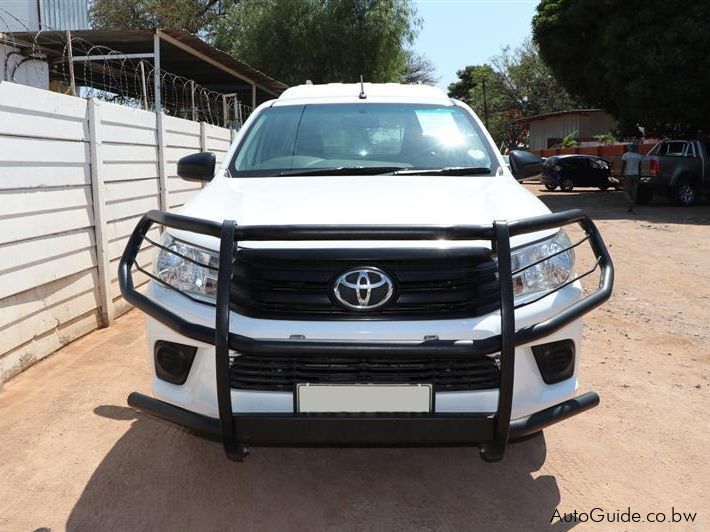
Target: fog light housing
173, 361
555, 360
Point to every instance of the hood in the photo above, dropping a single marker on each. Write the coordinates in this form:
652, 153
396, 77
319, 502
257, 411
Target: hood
370, 200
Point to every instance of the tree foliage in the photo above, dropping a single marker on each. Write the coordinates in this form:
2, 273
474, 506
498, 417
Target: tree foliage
418, 69
518, 83
645, 61
195, 16
292, 40
529, 82
322, 40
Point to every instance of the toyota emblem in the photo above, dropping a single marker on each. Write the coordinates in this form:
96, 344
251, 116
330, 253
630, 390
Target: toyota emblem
363, 288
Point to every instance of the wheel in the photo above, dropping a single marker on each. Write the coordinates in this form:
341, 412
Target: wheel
644, 195
684, 193
550, 187
567, 185
604, 188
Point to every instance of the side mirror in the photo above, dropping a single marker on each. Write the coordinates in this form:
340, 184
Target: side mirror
197, 167
525, 164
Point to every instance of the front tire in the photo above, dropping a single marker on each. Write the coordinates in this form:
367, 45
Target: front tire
550, 187
567, 185
685, 194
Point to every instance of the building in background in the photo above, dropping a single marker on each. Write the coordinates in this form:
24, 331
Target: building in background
548, 130
35, 15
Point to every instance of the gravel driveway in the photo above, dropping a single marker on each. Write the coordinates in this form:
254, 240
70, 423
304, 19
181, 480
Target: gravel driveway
73, 456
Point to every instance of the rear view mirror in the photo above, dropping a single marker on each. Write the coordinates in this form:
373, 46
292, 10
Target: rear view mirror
197, 167
524, 164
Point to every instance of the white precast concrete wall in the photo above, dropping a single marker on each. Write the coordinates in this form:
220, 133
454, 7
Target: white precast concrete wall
75, 177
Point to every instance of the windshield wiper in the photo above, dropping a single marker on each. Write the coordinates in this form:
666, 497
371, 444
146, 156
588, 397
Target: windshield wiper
449, 170
343, 170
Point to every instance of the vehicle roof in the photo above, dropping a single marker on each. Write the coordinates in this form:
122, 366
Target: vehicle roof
375, 92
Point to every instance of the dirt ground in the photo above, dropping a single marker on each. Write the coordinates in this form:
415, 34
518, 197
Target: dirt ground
74, 456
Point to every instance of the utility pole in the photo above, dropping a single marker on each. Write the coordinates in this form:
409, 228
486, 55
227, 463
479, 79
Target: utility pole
474, 84
485, 103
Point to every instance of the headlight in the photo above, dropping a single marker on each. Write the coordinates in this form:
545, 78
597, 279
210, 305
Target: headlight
187, 268
546, 274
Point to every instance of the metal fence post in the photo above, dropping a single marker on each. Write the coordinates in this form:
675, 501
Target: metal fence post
143, 87
98, 190
70, 60
156, 73
192, 100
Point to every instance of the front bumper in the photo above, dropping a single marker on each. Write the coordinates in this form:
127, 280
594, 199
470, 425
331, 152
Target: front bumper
377, 430
490, 430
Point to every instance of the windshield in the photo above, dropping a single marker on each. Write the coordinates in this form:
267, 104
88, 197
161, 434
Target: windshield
383, 137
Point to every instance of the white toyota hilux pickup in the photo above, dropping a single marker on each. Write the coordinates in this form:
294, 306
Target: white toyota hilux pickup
363, 270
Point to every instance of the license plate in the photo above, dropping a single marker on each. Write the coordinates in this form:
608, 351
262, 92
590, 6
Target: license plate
363, 398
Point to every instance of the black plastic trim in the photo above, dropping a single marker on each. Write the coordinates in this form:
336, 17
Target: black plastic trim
264, 280
541, 353
188, 354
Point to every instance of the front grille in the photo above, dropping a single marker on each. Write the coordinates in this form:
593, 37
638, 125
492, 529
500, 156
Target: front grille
249, 372
429, 283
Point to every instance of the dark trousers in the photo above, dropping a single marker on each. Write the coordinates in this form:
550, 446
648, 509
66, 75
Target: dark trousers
631, 189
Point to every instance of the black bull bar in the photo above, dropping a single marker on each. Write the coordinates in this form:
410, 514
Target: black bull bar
491, 431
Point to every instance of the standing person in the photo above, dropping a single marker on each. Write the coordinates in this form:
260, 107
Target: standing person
631, 172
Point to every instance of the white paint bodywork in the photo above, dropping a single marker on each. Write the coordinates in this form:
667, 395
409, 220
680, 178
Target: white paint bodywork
420, 200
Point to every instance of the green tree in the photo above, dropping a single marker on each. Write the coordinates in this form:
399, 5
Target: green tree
195, 16
529, 82
517, 84
645, 61
322, 40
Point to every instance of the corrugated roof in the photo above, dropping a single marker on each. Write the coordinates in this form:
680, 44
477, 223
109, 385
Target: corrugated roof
204, 63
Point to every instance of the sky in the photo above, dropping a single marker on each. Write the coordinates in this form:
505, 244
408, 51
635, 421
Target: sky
457, 33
